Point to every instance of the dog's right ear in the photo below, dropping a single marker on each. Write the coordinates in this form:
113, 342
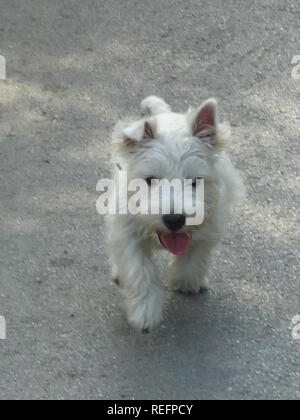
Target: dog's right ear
130, 136
133, 137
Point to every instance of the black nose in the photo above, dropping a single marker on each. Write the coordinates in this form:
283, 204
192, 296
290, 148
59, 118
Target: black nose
174, 222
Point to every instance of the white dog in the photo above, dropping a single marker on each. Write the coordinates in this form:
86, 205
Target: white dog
168, 145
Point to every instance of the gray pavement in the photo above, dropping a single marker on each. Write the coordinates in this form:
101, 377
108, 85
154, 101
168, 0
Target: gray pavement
74, 67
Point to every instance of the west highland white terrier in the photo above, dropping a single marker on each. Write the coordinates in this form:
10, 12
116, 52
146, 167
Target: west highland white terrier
164, 145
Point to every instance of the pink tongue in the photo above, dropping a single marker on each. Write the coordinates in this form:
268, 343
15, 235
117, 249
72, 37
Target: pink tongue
176, 243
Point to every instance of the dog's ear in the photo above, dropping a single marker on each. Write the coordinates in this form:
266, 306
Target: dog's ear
206, 118
206, 127
134, 134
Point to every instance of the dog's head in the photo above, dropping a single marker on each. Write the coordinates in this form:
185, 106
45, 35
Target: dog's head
183, 147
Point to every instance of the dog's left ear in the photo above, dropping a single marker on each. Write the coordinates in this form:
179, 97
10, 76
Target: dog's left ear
206, 119
206, 127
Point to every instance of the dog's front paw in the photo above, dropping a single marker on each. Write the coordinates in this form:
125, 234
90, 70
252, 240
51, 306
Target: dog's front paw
145, 312
188, 285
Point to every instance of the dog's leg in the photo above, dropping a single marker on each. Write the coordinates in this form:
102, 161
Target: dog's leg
188, 273
154, 106
143, 298
137, 278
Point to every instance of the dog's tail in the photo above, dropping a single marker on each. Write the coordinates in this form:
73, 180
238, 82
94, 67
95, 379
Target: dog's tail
154, 106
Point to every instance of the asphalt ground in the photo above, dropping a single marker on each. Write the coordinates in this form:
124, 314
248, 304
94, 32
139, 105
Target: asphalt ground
73, 69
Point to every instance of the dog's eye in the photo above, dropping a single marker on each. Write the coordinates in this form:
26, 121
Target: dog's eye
194, 184
149, 180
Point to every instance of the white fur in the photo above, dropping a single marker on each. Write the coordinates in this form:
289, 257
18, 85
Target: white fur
175, 153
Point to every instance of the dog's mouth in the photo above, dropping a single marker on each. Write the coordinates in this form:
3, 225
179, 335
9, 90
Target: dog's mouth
176, 243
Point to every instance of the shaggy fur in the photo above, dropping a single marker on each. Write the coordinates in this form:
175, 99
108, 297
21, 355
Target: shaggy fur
164, 144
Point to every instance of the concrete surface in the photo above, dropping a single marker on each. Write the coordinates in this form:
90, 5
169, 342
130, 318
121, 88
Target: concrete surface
73, 68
